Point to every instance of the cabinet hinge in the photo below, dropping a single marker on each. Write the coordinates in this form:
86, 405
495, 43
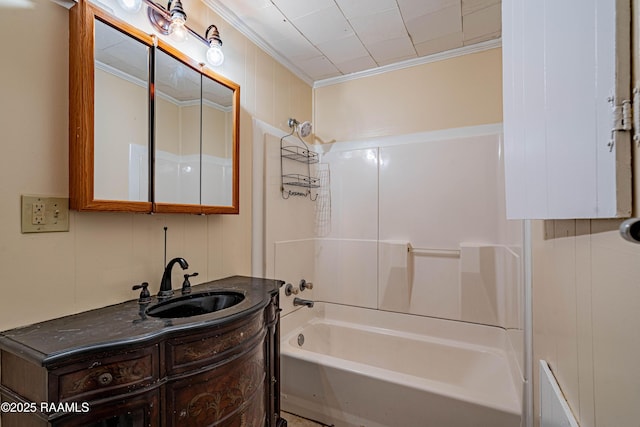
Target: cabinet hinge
622, 120
636, 114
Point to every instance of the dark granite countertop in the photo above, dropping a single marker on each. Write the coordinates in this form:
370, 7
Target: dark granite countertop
126, 324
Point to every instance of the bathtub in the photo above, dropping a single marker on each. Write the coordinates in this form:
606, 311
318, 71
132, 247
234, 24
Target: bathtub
355, 367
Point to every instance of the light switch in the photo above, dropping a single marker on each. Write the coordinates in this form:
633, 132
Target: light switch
42, 214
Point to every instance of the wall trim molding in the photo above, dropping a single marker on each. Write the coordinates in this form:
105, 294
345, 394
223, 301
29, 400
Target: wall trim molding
440, 56
390, 140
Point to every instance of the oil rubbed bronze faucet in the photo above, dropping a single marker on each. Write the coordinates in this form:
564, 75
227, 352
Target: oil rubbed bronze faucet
166, 289
300, 301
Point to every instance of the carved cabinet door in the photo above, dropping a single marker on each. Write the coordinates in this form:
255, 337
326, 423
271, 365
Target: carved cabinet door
229, 395
138, 411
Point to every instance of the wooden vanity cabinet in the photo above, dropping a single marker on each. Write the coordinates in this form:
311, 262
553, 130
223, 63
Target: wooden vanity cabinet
223, 375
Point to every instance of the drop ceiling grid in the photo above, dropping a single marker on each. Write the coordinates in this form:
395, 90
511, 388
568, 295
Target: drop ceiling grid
329, 38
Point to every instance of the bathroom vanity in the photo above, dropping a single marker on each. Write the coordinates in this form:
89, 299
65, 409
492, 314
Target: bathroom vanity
118, 366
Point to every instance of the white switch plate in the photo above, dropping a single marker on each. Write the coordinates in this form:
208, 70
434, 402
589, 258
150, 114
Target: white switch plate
42, 214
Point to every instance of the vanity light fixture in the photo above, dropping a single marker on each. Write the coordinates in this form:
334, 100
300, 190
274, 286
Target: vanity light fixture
215, 56
170, 21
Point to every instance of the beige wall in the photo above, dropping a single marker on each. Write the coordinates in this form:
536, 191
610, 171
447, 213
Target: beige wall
43, 276
456, 92
586, 311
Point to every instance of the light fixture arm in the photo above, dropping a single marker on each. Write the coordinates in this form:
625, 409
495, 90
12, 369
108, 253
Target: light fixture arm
175, 9
215, 35
160, 18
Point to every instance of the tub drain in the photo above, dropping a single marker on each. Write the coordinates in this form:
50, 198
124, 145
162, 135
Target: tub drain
300, 339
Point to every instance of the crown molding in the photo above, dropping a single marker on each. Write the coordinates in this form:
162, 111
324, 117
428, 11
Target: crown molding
440, 56
243, 28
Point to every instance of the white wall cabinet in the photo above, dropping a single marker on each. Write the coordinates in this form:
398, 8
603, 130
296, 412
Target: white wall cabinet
566, 77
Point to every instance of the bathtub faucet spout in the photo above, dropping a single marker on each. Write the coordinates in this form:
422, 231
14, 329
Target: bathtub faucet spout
300, 301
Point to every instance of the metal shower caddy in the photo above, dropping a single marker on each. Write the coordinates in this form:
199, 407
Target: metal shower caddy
297, 150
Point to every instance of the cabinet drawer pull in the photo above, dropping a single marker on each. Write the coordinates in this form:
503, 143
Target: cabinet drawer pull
105, 379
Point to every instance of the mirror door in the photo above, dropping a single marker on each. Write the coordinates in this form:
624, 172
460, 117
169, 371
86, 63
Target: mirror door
219, 153
196, 137
109, 113
177, 100
121, 111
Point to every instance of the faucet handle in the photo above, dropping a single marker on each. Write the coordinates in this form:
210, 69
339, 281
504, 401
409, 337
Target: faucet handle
289, 289
305, 285
186, 285
145, 296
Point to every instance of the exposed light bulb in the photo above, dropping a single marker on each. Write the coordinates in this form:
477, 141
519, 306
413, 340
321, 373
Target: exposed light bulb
177, 29
215, 56
131, 6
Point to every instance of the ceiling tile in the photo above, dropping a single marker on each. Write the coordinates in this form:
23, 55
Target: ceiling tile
379, 26
441, 44
270, 24
470, 6
482, 38
294, 9
398, 59
357, 64
481, 23
245, 7
344, 49
319, 67
297, 48
358, 8
324, 25
387, 51
414, 8
435, 25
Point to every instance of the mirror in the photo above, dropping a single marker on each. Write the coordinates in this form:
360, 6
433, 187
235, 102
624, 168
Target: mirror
155, 131
121, 111
177, 131
196, 156
217, 143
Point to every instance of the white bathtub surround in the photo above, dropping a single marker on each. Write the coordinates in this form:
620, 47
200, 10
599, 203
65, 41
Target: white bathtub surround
368, 367
479, 280
295, 262
487, 275
394, 276
346, 271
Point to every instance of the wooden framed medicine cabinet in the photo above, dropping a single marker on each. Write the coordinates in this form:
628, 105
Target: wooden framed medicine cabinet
150, 129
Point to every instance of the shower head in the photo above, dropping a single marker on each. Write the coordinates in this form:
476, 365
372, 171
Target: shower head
304, 128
